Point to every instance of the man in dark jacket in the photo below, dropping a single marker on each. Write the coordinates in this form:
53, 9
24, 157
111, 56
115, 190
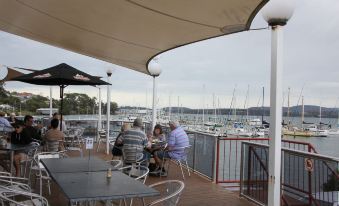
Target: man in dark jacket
18, 137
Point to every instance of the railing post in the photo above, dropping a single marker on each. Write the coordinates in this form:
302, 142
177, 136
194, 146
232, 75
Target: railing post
216, 158
309, 183
249, 169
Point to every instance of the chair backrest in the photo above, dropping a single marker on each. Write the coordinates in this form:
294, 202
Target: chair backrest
170, 192
25, 198
131, 155
115, 163
52, 146
138, 172
47, 155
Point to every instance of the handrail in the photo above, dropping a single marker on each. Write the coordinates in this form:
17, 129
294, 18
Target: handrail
303, 154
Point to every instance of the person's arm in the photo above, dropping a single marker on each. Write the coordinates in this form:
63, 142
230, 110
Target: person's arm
171, 142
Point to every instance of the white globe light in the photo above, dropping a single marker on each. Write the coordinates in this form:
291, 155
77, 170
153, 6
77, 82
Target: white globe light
278, 12
154, 68
109, 71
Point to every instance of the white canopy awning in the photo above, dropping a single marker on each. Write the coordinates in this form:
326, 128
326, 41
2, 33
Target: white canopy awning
128, 33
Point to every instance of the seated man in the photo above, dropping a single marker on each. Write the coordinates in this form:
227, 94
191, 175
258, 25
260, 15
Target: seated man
29, 130
177, 140
4, 122
134, 141
17, 137
55, 135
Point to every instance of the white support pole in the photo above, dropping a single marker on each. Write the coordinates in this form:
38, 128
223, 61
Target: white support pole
99, 111
154, 109
50, 102
276, 116
108, 112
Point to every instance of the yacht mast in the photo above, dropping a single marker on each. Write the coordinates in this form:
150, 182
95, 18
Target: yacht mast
262, 105
302, 110
288, 105
203, 104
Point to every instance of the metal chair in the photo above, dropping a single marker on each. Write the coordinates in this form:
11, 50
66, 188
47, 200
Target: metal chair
138, 172
74, 140
132, 156
115, 163
24, 198
179, 161
170, 192
102, 140
41, 172
14, 183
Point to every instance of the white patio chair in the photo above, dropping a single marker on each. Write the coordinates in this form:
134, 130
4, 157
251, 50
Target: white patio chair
14, 183
115, 163
138, 172
40, 170
23, 198
132, 156
170, 192
181, 161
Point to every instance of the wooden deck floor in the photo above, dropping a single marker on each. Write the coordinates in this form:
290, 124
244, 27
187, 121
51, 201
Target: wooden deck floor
198, 190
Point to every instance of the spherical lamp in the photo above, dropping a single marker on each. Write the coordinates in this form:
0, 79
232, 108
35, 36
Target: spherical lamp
154, 68
278, 12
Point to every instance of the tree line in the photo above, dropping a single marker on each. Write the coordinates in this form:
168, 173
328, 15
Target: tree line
74, 103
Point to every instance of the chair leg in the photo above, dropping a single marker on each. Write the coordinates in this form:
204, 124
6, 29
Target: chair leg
99, 142
188, 169
182, 171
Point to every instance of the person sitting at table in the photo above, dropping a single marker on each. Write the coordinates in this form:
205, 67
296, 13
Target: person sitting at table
177, 140
54, 135
158, 134
117, 148
29, 130
18, 137
3, 121
134, 141
12, 119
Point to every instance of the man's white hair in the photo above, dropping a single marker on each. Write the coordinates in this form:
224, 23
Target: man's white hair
175, 123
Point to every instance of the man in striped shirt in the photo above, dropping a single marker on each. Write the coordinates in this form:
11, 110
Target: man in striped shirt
134, 141
177, 141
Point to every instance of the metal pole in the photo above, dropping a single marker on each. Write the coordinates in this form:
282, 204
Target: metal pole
154, 109
99, 110
108, 110
50, 102
275, 116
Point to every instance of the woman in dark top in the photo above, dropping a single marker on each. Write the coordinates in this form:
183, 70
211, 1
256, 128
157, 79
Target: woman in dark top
18, 137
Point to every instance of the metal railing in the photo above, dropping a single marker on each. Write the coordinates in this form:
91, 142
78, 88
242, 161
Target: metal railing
229, 156
306, 178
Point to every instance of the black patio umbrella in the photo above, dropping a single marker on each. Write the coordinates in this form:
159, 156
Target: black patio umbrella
60, 75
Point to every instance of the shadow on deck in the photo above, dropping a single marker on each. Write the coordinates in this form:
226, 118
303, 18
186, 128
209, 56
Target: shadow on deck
198, 190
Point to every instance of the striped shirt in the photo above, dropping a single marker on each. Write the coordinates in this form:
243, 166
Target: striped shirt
134, 141
177, 140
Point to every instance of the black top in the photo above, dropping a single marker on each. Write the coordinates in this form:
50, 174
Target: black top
86, 186
20, 138
31, 132
76, 164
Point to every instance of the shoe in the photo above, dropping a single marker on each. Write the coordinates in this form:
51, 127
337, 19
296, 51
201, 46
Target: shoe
156, 171
163, 174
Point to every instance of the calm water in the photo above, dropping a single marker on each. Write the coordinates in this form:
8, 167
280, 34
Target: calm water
324, 145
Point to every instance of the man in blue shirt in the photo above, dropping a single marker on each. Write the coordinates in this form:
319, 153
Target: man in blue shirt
177, 141
4, 122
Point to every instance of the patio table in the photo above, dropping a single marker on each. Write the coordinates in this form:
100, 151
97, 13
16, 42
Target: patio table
92, 185
76, 164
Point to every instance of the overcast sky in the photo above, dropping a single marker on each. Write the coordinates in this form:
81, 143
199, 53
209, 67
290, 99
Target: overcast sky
219, 65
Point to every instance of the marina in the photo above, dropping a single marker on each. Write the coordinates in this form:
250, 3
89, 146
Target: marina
243, 107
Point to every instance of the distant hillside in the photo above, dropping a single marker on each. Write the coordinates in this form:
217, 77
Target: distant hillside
309, 111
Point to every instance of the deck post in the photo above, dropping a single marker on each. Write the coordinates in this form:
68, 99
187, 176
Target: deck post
109, 74
275, 116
